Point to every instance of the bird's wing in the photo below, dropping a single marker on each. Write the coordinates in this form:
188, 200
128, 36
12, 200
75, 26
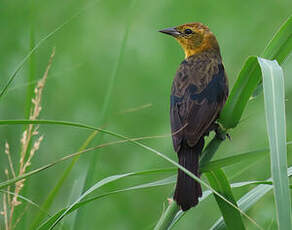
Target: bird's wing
199, 92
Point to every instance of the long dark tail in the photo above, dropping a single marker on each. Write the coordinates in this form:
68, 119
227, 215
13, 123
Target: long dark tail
188, 191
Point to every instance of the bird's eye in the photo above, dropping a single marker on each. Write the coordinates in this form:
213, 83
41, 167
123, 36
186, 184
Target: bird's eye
188, 31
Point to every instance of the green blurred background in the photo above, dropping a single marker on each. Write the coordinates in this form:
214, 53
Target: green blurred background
87, 51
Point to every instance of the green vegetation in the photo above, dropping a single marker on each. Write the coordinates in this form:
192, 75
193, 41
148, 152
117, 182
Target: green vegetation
112, 70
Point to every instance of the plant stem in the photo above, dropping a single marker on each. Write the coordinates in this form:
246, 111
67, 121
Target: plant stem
212, 148
167, 217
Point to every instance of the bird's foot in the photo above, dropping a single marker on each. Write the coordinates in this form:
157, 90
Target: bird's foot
228, 136
221, 132
213, 127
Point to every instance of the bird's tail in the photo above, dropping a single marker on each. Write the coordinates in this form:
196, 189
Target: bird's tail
188, 191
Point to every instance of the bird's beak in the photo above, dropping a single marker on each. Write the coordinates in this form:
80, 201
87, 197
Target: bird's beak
170, 31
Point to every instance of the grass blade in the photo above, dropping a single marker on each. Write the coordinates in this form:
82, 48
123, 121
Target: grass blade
247, 81
34, 204
162, 182
91, 169
273, 85
249, 199
80, 125
212, 165
218, 163
14, 122
244, 203
51, 222
86, 193
255, 154
53, 193
104, 112
234, 159
165, 181
32, 66
38, 170
219, 182
279, 48
38, 44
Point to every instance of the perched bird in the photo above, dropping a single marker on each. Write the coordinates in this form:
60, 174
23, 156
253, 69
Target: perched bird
198, 93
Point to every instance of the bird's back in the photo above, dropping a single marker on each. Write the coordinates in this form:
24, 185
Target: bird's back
198, 93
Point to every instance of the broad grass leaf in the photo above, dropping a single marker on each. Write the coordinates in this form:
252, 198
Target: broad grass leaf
274, 91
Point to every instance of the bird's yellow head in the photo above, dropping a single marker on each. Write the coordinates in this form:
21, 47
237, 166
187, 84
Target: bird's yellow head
193, 37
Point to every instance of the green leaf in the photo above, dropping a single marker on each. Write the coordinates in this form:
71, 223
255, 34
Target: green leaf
28, 201
219, 182
53, 193
165, 181
249, 199
200, 181
91, 168
273, 85
249, 77
212, 165
211, 148
32, 65
246, 83
86, 193
79, 125
280, 46
52, 221
234, 159
204, 167
38, 170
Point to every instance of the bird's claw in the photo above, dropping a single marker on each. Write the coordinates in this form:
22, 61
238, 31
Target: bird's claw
220, 133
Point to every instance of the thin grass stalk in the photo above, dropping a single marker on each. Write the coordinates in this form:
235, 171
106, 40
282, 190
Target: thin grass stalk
30, 78
211, 165
5, 212
165, 181
124, 138
27, 153
49, 200
105, 110
109, 92
39, 43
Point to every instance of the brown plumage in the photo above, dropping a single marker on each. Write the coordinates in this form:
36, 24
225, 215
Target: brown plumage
199, 91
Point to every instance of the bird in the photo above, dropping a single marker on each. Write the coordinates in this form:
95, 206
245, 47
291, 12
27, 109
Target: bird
198, 93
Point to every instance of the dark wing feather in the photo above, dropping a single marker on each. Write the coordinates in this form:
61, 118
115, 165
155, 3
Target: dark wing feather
198, 94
